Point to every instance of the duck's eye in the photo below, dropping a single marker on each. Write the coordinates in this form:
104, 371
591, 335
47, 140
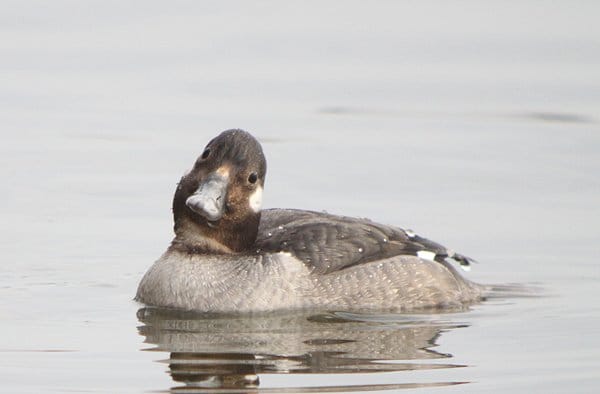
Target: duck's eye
252, 178
205, 154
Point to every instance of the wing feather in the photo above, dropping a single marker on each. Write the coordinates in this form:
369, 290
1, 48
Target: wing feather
328, 243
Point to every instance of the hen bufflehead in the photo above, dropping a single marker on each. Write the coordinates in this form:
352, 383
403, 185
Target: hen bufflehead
228, 255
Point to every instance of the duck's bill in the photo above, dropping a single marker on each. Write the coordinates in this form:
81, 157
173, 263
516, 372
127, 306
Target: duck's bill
209, 199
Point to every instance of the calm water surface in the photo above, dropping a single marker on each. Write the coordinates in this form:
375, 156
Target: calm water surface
476, 125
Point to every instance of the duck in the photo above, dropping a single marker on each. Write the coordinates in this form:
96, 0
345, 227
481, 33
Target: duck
231, 256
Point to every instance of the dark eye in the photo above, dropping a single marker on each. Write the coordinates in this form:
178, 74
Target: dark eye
252, 178
205, 154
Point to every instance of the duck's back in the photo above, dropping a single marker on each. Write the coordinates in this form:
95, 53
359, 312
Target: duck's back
327, 243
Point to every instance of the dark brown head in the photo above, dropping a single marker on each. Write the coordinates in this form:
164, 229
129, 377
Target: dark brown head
217, 205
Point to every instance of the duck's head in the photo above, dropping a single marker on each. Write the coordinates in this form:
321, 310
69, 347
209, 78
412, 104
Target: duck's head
217, 204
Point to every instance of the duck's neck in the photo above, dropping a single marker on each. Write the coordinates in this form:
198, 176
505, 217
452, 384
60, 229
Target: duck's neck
224, 238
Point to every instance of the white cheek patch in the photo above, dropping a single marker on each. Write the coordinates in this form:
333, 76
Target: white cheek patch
256, 199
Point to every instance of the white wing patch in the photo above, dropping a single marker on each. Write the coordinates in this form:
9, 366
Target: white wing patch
255, 199
426, 255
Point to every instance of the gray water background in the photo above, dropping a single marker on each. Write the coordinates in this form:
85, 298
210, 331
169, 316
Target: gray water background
473, 123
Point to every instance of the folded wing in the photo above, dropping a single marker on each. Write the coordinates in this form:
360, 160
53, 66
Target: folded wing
328, 243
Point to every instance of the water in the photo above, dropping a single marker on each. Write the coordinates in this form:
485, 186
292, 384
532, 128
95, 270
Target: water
473, 124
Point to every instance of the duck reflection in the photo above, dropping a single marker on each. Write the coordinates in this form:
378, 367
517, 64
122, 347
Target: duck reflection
217, 353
